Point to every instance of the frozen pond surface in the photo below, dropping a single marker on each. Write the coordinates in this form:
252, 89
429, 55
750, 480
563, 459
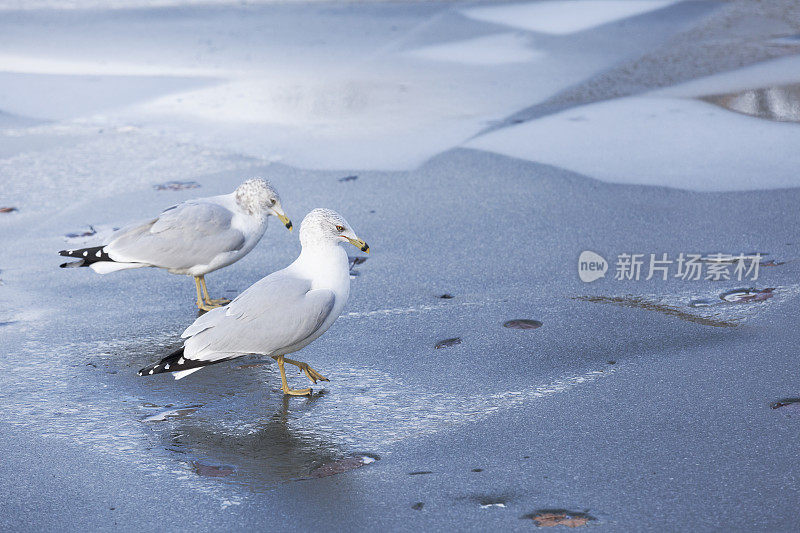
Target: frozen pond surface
475, 380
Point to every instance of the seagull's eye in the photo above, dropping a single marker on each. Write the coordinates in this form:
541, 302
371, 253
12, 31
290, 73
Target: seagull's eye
339, 228
272, 201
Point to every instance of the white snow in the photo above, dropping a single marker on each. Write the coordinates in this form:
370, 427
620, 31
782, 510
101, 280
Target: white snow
33, 64
563, 17
391, 113
490, 50
364, 93
659, 141
668, 137
69, 5
371, 101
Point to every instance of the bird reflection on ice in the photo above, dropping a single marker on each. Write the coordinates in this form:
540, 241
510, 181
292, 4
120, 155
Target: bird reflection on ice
369, 412
260, 453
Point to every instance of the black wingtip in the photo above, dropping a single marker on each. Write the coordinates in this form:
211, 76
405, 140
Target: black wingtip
168, 364
87, 256
156, 368
149, 370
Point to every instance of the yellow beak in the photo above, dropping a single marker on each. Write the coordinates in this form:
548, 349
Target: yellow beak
358, 243
286, 222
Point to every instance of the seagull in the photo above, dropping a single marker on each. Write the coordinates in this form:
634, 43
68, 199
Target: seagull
193, 238
279, 314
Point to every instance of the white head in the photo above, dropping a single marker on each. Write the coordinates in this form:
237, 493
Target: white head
258, 196
325, 226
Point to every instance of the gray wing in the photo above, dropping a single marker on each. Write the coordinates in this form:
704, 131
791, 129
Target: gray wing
276, 312
189, 234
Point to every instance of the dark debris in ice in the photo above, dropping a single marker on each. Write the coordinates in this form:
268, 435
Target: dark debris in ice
448, 342
746, 296
88, 233
522, 323
669, 310
212, 470
356, 260
785, 402
176, 185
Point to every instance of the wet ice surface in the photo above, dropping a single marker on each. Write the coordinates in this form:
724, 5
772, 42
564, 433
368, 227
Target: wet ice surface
240, 419
773, 103
621, 404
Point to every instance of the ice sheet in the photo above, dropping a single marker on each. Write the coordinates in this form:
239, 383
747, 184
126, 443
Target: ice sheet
475, 434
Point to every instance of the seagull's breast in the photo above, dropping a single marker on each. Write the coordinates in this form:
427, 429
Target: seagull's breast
327, 268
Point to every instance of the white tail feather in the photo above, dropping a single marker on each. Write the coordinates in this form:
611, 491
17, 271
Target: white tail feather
183, 373
104, 267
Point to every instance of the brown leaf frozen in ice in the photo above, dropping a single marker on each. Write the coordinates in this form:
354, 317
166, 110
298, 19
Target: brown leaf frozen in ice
559, 517
341, 466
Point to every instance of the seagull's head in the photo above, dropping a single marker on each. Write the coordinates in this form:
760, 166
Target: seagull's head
258, 196
328, 226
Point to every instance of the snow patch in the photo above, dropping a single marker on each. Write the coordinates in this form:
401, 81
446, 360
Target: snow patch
564, 16
32, 64
491, 50
679, 143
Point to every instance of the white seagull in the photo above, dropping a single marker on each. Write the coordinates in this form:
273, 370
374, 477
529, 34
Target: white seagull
279, 314
193, 238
